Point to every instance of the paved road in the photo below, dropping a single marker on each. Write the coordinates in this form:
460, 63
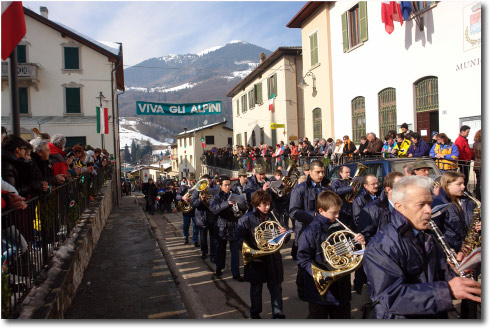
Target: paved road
127, 277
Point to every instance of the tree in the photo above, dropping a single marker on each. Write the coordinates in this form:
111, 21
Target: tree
134, 151
127, 154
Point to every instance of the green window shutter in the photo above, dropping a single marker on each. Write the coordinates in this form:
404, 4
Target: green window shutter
73, 101
71, 58
314, 49
23, 101
21, 54
363, 20
259, 93
269, 88
237, 108
275, 85
345, 36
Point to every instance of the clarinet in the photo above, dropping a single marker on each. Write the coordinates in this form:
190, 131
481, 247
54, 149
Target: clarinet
448, 251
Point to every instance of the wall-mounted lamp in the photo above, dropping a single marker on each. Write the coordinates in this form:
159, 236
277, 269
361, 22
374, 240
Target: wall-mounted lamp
303, 84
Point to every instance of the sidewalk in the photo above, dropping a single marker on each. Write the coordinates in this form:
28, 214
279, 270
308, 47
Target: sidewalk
127, 277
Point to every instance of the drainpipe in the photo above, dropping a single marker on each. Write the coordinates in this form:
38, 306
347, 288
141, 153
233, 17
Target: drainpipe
115, 120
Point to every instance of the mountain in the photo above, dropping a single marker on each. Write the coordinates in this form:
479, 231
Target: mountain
187, 78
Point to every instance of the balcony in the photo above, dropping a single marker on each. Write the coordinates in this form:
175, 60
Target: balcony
27, 73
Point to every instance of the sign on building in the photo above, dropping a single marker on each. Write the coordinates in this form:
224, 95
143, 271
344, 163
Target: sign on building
204, 108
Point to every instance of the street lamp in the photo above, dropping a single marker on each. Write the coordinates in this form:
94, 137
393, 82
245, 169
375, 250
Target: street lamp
101, 97
303, 84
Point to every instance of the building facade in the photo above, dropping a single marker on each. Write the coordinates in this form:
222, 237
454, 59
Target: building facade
190, 147
267, 106
61, 77
426, 73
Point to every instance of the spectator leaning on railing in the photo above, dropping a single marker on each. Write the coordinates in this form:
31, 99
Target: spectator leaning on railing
465, 152
418, 148
15, 170
59, 164
445, 153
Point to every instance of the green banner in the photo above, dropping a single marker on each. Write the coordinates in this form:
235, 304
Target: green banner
204, 108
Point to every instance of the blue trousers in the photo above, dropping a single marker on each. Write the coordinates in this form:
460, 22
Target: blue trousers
275, 290
221, 256
204, 241
187, 223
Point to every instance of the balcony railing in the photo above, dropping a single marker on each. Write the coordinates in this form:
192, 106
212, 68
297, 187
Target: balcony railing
25, 71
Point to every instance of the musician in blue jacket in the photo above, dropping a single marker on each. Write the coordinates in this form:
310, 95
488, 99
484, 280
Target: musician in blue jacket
205, 220
256, 182
342, 187
369, 193
302, 206
407, 272
188, 217
265, 269
377, 214
335, 304
226, 223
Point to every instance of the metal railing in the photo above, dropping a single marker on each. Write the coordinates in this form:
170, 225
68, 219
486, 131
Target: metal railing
31, 236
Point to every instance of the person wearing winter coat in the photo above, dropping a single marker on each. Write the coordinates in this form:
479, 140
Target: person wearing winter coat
188, 217
59, 164
402, 145
402, 262
349, 147
342, 187
335, 304
465, 152
265, 269
15, 170
445, 153
418, 148
374, 145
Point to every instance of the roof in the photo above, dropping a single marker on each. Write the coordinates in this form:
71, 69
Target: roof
275, 56
209, 126
304, 13
112, 50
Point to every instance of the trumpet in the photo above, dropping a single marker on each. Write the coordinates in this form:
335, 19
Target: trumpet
340, 253
263, 233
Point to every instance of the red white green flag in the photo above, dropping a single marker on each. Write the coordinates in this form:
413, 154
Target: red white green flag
102, 120
271, 103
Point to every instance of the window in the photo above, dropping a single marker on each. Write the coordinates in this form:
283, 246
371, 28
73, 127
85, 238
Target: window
251, 99
254, 142
71, 58
237, 107
245, 141
354, 26
272, 86
21, 54
387, 111
358, 119
185, 142
72, 141
317, 123
23, 101
262, 136
190, 141
314, 49
426, 94
258, 93
274, 138
244, 103
72, 98
180, 142
190, 159
230, 141
239, 139
209, 140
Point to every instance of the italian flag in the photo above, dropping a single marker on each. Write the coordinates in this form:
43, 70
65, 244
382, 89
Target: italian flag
271, 103
102, 120
13, 26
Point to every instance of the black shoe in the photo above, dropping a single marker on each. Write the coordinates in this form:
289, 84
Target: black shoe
357, 289
255, 316
218, 273
278, 316
204, 256
239, 278
186, 241
196, 244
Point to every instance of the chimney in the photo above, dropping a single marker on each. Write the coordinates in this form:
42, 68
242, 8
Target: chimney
262, 58
44, 11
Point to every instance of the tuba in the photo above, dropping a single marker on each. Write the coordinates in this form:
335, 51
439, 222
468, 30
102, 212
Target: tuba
473, 237
201, 186
340, 252
262, 233
356, 183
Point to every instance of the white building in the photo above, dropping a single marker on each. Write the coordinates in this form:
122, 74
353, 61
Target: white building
426, 73
61, 74
275, 78
190, 150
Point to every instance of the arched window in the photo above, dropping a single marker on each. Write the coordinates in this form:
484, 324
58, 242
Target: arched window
254, 141
387, 111
317, 123
426, 94
358, 118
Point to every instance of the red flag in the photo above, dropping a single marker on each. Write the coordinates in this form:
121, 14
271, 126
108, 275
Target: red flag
391, 11
13, 26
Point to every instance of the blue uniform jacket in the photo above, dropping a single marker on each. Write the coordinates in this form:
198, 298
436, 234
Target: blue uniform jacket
252, 186
309, 250
406, 282
182, 191
204, 217
375, 216
302, 205
418, 150
266, 268
225, 219
453, 223
361, 200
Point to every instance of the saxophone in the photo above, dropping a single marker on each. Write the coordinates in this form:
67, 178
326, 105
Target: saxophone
473, 237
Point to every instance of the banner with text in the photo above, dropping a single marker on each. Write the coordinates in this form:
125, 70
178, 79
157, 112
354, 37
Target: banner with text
204, 108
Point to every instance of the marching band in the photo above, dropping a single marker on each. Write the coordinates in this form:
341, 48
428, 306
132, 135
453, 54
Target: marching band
385, 236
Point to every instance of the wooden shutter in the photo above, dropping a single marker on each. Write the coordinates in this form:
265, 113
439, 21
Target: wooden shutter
21, 54
275, 84
23, 101
71, 58
237, 107
73, 100
314, 49
269, 88
363, 20
345, 35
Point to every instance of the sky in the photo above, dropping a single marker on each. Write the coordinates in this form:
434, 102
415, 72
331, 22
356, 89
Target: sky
157, 28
